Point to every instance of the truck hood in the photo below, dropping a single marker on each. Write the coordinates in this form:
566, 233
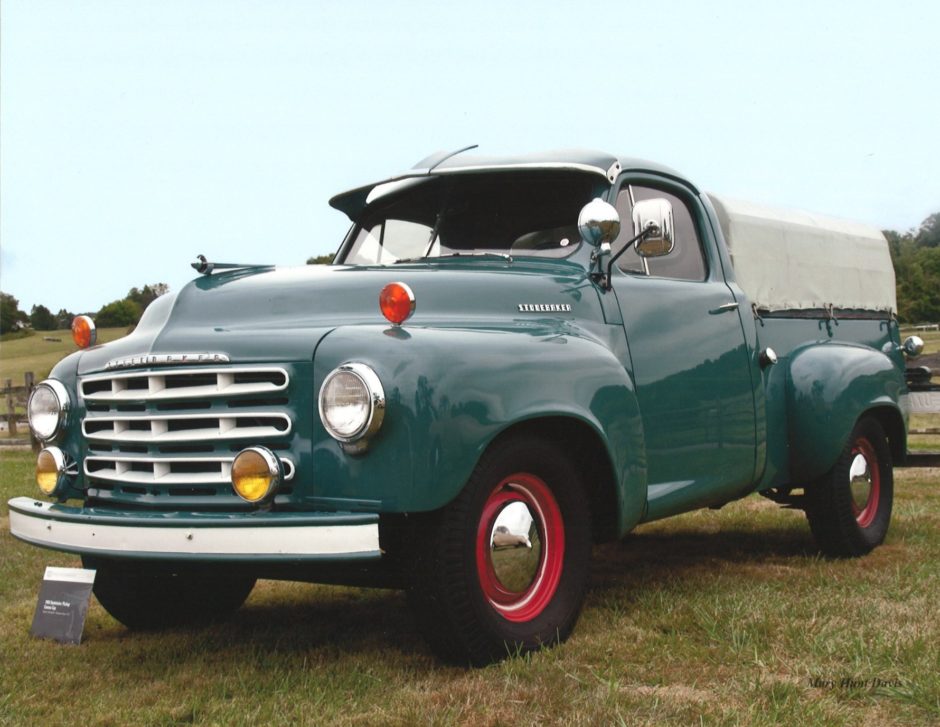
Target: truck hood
265, 315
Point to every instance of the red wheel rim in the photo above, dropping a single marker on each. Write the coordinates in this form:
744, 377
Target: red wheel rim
528, 603
862, 450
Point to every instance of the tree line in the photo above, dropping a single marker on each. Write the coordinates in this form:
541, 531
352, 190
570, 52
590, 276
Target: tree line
916, 258
118, 313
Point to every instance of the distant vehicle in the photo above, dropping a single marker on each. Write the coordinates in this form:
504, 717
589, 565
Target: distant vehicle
509, 359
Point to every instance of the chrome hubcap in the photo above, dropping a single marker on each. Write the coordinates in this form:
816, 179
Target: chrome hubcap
515, 547
860, 481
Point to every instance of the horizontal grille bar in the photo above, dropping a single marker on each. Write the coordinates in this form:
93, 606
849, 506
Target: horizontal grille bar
182, 384
207, 427
168, 470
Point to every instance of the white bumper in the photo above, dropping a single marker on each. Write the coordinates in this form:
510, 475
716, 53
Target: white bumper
228, 537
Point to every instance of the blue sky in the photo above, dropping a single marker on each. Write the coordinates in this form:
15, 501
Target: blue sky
134, 135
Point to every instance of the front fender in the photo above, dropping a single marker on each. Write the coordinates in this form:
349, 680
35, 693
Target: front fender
829, 387
450, 392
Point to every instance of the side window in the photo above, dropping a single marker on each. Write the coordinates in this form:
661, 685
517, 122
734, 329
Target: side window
686, 261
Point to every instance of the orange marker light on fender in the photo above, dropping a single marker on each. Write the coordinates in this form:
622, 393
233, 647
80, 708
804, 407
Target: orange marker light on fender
397, 302
83, 331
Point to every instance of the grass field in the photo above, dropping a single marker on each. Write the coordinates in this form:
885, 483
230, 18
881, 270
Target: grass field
34, 353
724, 617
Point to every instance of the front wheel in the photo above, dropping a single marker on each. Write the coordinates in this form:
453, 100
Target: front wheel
153, 595
849, 508
503, 568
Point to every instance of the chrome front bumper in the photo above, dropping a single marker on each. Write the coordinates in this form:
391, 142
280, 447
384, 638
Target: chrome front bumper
235, 537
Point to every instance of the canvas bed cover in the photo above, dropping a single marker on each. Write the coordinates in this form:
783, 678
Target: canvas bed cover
792, 260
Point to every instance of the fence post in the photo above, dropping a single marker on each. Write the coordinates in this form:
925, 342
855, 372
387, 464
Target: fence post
29, 380
11, 407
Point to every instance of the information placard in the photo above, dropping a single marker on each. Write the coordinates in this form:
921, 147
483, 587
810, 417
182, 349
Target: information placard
63, 604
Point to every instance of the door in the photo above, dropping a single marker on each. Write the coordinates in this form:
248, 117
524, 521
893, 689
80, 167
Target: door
689, 360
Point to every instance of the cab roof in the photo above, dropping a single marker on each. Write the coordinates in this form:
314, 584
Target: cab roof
607, 165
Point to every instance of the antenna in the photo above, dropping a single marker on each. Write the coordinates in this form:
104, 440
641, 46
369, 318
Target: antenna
447, 155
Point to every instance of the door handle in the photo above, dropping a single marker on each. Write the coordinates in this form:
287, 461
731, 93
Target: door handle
724, 308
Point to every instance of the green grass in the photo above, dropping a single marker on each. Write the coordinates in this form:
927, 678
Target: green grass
33, 353
726, 618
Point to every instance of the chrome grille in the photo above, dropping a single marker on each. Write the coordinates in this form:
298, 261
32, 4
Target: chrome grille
188, 384
167, 470
170, 436
166, 429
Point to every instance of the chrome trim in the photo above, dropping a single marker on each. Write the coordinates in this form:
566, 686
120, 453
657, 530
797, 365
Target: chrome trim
163, 474
65, 404
768, 357
167, 359
860, 481
544, 307
515, 547
226, 427
376, 402
157, 390
913, 346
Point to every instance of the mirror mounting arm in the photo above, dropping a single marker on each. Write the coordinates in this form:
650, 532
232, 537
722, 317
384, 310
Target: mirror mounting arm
604, 279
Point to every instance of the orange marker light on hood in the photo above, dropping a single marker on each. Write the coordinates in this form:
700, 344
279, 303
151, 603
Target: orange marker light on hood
397, 302
83, 331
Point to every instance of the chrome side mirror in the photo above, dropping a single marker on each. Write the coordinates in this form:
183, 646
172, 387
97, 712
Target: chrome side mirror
654, 216
598, 222
913, 346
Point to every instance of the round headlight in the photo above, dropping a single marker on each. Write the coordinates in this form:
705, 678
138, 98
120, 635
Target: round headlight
256, 474
352, 402
51, 466
47, 408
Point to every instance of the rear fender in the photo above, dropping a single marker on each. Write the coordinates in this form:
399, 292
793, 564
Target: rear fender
830, 386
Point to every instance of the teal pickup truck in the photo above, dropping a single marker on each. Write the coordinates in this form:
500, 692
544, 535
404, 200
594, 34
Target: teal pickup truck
509, 360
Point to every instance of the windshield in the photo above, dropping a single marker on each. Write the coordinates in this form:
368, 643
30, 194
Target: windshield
516, 213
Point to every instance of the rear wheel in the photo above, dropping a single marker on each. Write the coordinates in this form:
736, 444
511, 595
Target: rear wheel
503, 568
849, 509
154, 596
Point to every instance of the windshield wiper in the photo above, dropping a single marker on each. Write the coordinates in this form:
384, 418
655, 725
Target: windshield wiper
476, 253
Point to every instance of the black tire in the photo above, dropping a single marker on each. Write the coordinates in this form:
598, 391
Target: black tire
846, 525
148, 596
476, 608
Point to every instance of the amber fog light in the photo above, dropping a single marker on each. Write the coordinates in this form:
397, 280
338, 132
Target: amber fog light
51, 469
256, 474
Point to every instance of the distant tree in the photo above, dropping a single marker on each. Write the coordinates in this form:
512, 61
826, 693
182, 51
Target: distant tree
916, 258
63, 319
41, 319
124, 312
149, 293
929, 233
11, 317
321, 259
